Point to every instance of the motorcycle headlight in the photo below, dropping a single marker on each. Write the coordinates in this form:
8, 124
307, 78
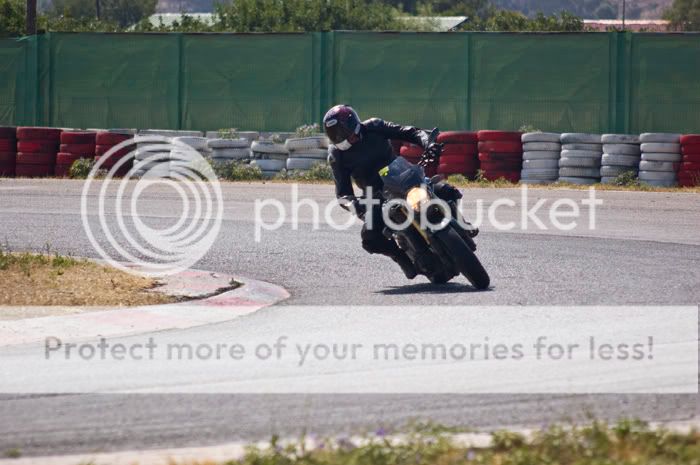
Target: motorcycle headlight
417, 196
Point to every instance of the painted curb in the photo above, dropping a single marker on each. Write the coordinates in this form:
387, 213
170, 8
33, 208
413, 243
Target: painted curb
212, 307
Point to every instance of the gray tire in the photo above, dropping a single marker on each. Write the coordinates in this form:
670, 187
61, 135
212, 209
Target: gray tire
539, 174
316, 154
579, 162
607, 179
170, 133
659, 183
661, 137
301, 163
541, 155
540, 137
269, 165
576, 180
537, 181
540, 164
621, 149
620, 139
541, 146
581, 154
658, 147
572, 172
613, 171
266, 146
228, 143
231, 154
197, 143
580, 138
657, 175
304, 144
589, 147
652, 156
620, 160
657, 166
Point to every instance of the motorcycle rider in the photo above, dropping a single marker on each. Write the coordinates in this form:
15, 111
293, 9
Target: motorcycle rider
358, 151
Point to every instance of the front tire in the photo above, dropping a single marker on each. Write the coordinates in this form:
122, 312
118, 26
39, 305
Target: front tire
467, 262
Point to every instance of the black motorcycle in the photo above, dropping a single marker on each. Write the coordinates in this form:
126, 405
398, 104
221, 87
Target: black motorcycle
441, 247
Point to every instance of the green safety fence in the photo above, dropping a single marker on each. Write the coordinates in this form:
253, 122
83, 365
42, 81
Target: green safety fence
592, 82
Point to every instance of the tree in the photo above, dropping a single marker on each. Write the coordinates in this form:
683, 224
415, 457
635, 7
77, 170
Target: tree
126, 13
684, 15
11, 17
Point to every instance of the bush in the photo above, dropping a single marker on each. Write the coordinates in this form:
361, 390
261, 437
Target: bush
307, 130
627, 179
236, 171
321, 171
80, 169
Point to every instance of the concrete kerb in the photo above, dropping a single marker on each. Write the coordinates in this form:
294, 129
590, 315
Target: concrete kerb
214, 300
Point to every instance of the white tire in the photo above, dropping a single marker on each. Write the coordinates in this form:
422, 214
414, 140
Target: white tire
537, 181
659, 183
541, 146
613, 171
607, 179
581, 154
154, 154
661, 137
269, 165
316, 154
305, 144
540, 137
539, 174
197, 143
621, 149
589, 147
574, 172
657, 175
576, 180
266, 146
271, 156
658, 147
657, 166
228, 143
579, 138
231, 154
672, 157
579, 162
301, 163
170, 133
269, 174
540, 164
620, 160
620, 139
541, 155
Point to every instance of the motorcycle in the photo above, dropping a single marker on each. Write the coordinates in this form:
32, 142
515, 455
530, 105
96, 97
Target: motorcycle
441, 247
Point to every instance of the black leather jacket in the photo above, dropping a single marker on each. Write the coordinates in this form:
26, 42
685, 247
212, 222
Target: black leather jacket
364, 159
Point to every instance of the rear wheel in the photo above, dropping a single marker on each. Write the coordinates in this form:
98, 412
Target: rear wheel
467, 262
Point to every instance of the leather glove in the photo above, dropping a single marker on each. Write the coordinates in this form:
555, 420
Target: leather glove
431, 154
351, 204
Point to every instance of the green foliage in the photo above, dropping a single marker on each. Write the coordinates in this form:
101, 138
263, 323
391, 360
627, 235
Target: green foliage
307, 130
236, 171
628, 178
684, 15
80, 169
26, 260
11, 17
321, 171
81, 15
528, 128
228, 133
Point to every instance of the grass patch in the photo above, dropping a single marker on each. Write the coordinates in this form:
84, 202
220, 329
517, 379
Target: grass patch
80, 169
319, 172
30, 279
626, 443
234, 171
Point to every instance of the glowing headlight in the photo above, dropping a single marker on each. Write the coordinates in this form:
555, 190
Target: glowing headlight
417, 196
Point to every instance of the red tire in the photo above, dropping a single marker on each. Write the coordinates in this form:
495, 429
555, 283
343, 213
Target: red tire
86, 150
512, 176
62, 171
108, 164
33, 171
411, 150
454, 169
8, 145
34, 133
103, 149
501, 146
507, 136
8, 157
78, 137
111, 138
500, 156
458, 160
500, 166
8, 132
458, 137
7, 169
464, 150
690, 149
37, 146
690, 166
66, 158
33, 158
692, 157
689, 139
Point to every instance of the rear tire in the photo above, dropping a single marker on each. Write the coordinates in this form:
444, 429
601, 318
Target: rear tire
467, 262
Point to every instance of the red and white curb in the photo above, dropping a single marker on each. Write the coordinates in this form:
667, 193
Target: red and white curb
211, 306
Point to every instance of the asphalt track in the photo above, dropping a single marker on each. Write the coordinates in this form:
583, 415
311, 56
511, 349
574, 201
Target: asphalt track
645, 249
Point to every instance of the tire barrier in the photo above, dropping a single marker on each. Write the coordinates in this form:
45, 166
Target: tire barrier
183, 160
74, 146
661, 156
229, 150
304, 153
541, 153
413, 153
580, 159
500, 155
8, 151
36, 151
105, 141
273, 151
460, 154
689, 172
621, 154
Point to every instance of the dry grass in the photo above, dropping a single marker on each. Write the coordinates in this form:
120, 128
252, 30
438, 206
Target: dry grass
37, 279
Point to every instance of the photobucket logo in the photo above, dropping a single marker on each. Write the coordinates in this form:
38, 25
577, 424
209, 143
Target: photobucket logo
110, 206
501, 214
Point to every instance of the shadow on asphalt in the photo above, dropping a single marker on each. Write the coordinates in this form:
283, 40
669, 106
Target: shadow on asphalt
429, 288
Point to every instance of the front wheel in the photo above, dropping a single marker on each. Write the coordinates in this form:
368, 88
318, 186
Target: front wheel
467, 262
